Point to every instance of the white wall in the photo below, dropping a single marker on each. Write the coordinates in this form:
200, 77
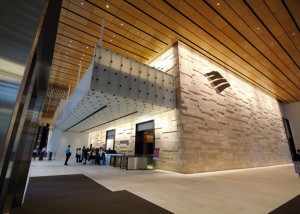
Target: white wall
292, 113
76, 140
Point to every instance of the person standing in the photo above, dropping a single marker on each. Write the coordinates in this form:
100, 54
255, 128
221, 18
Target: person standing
77, 155
84, 155
68, 154
35, 153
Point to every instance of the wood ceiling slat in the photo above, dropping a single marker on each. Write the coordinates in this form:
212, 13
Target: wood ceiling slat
224, 31
72, 60
66, 65
58, 72
94, 33
294, 7
64, 77
83, 10
274, 78
276, 60
277, 29
68, 70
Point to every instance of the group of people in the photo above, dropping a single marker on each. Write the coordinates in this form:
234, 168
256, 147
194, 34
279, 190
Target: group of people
36, 153
95, 156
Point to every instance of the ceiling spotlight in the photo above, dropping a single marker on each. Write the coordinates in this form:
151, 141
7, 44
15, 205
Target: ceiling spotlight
294, 34
121, 24
257, 28
69, 45
218, 3
87, 47
82, 3
107, 6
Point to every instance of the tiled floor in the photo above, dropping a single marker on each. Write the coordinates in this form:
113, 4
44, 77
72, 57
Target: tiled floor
251, 191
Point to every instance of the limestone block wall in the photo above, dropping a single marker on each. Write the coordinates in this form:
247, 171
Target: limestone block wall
168, 129
167, 137
238, 128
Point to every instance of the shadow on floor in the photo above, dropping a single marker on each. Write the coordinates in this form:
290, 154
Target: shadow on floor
79, 194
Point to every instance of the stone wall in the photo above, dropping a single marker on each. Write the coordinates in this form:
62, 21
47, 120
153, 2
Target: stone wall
168, 130
238, 128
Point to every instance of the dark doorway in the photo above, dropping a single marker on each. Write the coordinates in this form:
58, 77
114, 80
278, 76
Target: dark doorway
110, 140
144, 138
290, 138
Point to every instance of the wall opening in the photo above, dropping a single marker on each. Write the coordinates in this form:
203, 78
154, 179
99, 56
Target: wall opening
144, 138
110, 140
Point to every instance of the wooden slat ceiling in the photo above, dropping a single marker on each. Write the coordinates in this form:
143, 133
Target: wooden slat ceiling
257, 40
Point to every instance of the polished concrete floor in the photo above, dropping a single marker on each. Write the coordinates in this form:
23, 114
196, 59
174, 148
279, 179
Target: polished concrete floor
251, 191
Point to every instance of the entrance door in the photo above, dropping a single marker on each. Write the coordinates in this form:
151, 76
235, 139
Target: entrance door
110, 140
290, 138
144, 138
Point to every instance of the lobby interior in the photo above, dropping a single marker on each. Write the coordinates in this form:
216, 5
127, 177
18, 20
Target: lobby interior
212, 86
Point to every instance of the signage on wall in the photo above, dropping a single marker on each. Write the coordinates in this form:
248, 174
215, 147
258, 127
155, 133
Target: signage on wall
217, 81
156, 154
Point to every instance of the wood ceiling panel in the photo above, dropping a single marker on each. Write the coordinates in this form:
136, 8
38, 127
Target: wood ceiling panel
231, 43
101, 14
82, 10
256, 40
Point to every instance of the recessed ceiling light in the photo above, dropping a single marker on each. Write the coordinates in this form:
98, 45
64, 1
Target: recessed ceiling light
82, 54
121, 24
87, 47
107, 6
291, 65
81, 58
257, 28
69, 45
218, 3
81, 3
294, 34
